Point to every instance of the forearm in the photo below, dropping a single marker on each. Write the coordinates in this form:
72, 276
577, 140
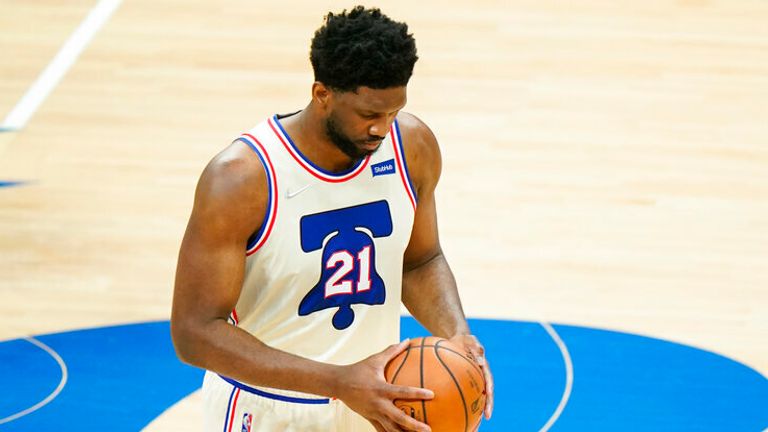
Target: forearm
235, 353
431, 295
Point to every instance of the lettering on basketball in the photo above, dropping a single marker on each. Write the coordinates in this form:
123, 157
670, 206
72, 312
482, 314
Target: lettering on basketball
408, 410
348, 260
475, 405
472, 382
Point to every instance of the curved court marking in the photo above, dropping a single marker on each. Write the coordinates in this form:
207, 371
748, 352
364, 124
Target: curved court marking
568, 376
627, 375
52, 396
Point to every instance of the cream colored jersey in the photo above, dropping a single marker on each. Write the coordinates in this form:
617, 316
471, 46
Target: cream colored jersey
324, 272
323, 278
233, 407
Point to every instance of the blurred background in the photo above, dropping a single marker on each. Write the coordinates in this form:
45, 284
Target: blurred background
605, 162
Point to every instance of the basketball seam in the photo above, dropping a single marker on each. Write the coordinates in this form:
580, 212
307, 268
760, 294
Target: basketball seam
399, 368
455, 381
474, 365
421, 370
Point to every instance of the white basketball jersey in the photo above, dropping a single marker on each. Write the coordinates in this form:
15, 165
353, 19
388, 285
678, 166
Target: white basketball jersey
323, 274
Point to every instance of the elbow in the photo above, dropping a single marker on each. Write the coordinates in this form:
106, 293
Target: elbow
187, 340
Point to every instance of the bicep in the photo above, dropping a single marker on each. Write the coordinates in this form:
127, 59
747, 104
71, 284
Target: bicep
211, 263
425, 165
424, 243
209, 273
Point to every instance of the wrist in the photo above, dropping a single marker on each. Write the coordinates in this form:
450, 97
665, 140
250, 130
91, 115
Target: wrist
334, 378
463, 332
461, 329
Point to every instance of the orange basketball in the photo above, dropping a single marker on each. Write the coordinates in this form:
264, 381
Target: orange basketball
453, 375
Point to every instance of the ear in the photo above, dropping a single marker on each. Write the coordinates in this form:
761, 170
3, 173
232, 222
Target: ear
321, 95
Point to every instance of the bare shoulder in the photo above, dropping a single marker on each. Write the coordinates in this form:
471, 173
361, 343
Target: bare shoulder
232, 191
422, 151
417, 136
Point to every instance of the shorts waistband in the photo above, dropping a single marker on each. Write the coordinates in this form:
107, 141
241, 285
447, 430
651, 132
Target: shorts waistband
271, 394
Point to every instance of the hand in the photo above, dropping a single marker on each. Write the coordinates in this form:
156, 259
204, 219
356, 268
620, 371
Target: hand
363, 389
471, 345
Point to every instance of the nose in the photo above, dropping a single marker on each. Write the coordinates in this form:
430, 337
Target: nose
381, 126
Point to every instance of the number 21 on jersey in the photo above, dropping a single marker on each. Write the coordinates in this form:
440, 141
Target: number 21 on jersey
348, 261
344, 263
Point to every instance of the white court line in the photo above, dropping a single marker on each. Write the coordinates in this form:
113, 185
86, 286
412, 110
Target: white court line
52, 396
568, 376
59, 66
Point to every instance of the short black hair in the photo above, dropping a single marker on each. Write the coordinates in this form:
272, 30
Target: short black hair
362, 47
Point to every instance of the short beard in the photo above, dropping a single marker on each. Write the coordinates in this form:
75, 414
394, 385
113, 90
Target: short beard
342, 142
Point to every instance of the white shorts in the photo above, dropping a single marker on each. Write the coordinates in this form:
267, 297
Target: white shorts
231, 406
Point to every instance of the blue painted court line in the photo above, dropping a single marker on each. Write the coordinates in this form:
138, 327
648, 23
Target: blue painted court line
528, 371
21, 359
120, 379
622, 382
123, 377
11, 183
644, 384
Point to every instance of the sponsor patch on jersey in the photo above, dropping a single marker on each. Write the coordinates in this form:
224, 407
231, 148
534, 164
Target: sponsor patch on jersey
383, 168
247, 422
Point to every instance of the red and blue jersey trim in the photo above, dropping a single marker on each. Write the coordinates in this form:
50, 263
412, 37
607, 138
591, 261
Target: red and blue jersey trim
240, 386
231, 407
307, 164
233, 318
402, 166
258, 239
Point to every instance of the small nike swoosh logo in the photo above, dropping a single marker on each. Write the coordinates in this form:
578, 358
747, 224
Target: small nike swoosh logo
290, 194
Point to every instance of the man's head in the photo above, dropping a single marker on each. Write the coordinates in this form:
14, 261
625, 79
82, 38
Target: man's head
362, 48
362, 62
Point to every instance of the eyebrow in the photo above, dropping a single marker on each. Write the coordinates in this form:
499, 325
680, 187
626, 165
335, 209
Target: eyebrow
369, 112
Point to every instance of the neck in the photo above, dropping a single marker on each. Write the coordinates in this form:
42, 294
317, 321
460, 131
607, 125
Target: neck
307, 130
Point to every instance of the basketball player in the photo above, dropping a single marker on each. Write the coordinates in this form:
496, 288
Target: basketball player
306, 234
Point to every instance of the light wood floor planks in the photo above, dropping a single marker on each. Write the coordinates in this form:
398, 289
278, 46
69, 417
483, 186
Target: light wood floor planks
605, 163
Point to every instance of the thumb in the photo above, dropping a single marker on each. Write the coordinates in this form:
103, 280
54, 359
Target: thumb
478, 354
393, 351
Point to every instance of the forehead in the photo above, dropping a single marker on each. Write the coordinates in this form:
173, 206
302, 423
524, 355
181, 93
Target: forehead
376, 100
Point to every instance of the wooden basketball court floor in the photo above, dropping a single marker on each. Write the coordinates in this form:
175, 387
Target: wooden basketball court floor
605, 163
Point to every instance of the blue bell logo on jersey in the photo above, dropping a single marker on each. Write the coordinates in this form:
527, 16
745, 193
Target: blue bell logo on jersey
348, 264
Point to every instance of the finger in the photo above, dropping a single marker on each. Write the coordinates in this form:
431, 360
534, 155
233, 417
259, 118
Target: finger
473, 348
488, 392
393, 350
473, 340
377, 426
411, 393
479, 357
407, 422
477, 350
481, 361
391, 426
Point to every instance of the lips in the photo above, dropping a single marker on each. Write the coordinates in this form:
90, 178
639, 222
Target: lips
370, 145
